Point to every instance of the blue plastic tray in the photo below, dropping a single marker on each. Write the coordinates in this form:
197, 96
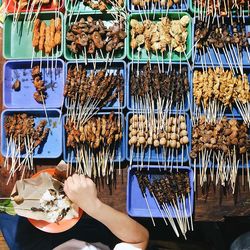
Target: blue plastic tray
184, 6
52, 148
198, 60
120, 148
117, 64
228, 111
136, 205
239, 118
153, 158
23, 99
130, 102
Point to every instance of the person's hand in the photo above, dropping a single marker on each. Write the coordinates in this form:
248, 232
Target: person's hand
82, 191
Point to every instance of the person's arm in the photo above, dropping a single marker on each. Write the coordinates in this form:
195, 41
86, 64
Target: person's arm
82, 191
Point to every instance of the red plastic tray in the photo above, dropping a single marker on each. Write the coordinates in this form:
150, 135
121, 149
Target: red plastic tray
48, 7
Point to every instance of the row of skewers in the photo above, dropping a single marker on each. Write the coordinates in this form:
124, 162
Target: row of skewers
157, 138
145, 6
95, 144
47, 38
95, 38
163, 37
171, 192
207, 10
216, 90
224, 146
22, 138
226, 44
101, 5
153, 90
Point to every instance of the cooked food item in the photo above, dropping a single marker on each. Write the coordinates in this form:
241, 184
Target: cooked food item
55, 205
101, 86
46, 38
16, 85
40, 95
85, 37
159, 36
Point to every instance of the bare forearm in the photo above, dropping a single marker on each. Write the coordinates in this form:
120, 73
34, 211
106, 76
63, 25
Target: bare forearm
121, 225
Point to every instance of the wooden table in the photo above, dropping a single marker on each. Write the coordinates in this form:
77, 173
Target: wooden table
210, 205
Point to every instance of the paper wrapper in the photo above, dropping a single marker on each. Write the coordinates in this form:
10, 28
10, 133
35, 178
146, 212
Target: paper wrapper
34, 189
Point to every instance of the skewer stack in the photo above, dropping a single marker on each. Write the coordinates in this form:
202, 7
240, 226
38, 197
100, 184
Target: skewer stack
216, 91
223, 145
222, 44
206, 10
23, 138
164, 137
29, 7
162, 38
89, 38
171, 193
144, 6
102, 5
94, 145
164, 91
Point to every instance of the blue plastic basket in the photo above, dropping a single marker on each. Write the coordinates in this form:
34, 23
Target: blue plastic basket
52, 148
136, 205
69, 154
54, 80
130, 102
184, 6
153, 158
198, 60
117, 64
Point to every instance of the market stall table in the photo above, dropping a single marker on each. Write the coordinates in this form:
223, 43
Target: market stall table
212, 204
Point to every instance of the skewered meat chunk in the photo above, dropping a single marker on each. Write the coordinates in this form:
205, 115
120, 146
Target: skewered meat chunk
16, 85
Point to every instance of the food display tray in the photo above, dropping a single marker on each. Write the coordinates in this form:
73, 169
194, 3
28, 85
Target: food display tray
45, 7
136, 205
17, 37
117, 64
52, 148
196, 10
107, 20
120, 149
235, 111
130, 101
183, 6
82, 8
154, 157
198, 60
153, 58
54, 79
198, 166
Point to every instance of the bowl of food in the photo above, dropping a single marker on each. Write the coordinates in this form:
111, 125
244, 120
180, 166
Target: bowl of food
45, 204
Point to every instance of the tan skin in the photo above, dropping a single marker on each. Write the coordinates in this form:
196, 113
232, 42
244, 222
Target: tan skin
82, 191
